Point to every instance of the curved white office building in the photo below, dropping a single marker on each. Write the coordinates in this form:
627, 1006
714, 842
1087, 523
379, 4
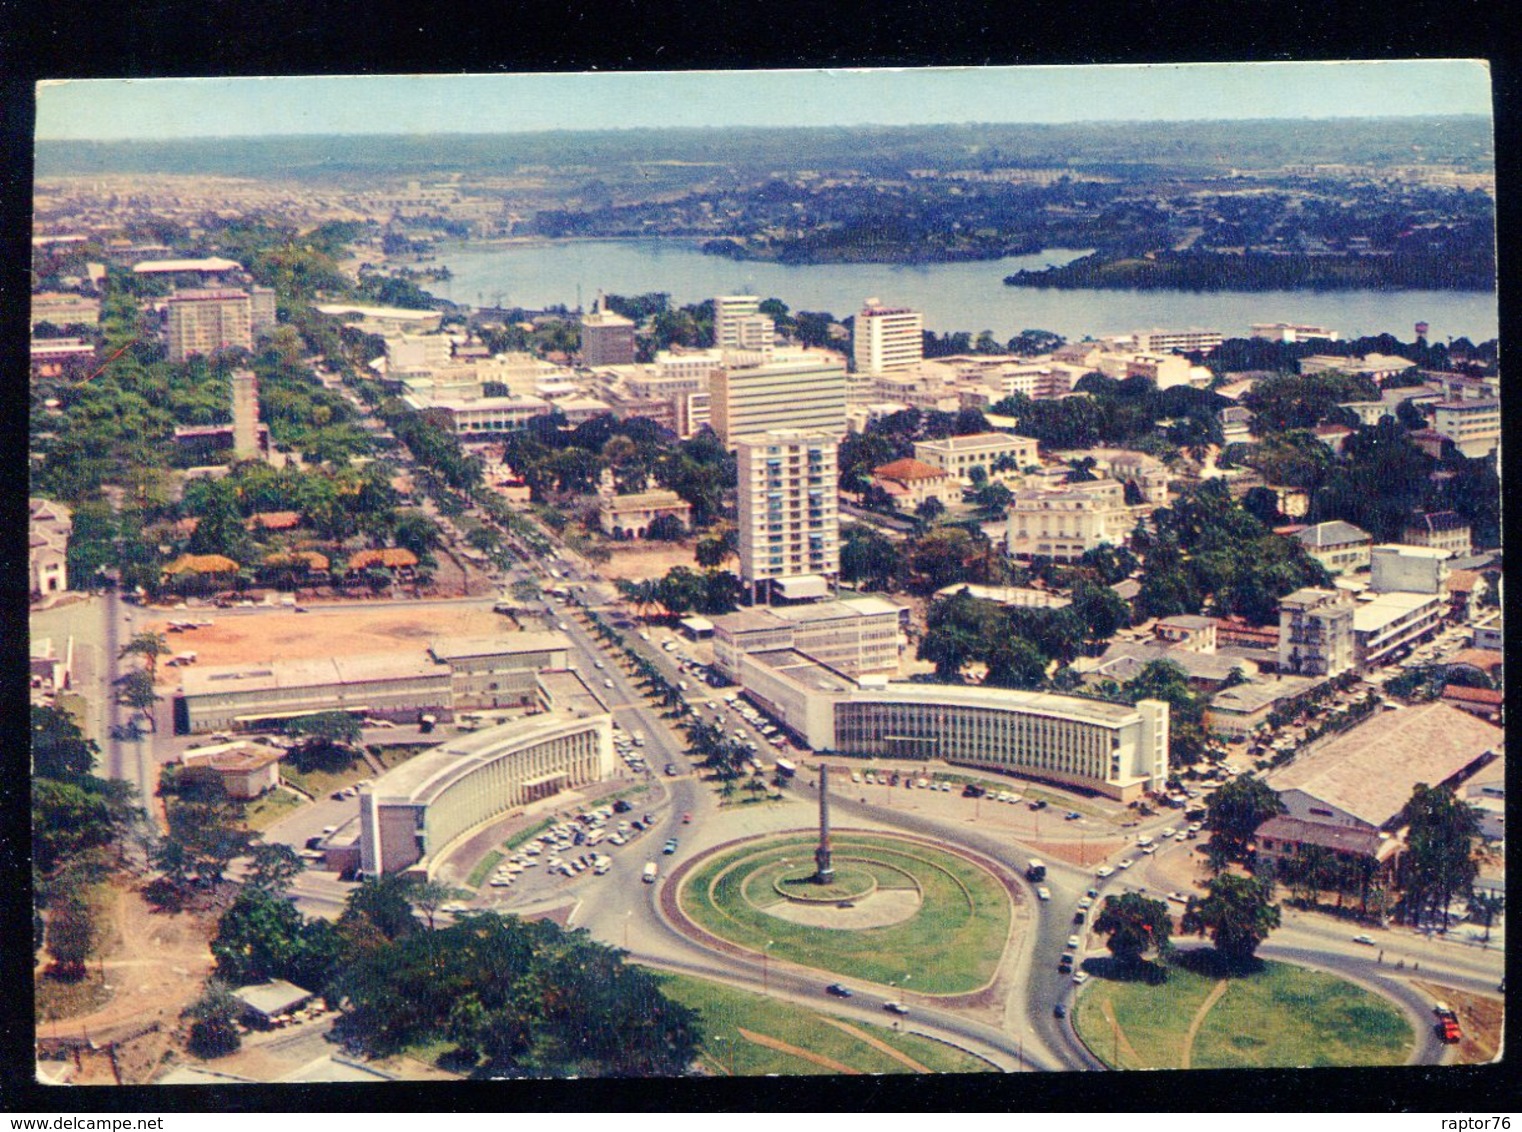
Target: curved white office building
410, 815
1117, 750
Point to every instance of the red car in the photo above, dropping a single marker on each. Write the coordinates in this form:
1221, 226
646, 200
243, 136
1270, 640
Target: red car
687, 819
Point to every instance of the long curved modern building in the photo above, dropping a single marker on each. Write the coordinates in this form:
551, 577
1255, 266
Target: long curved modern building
1118, 750
411, 814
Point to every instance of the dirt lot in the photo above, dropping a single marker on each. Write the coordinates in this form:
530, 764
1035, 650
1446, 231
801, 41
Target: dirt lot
156, 964
643, 561
280, 634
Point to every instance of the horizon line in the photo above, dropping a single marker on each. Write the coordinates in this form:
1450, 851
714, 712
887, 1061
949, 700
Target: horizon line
757, 126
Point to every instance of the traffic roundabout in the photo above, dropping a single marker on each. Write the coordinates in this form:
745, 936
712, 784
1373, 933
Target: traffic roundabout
898, 911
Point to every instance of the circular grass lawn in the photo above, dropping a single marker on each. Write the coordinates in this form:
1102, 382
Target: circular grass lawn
950, 944
1279, 1016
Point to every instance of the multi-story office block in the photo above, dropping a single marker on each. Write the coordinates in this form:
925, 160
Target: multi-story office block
1316, 632
1474, 426
413, 813
887, 338
728, 311
1116, 750
789, 525
802, 390
205, 321
607, 338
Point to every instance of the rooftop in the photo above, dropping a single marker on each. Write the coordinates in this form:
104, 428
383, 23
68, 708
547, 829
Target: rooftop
273, 997
252, 677
1384, 608
908, 469
1043, 703
805, 671
509, 644
1335, 533
421, 779
1339, 838
1248, 698
1371, 770
210, 263
977, 441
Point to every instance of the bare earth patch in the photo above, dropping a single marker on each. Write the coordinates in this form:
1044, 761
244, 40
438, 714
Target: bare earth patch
640, 562
877, 910
1480, 1018
283, 635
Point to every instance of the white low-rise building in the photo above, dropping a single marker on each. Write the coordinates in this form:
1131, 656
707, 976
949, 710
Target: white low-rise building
414, 813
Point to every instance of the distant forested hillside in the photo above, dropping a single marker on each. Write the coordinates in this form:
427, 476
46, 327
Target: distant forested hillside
1182, 148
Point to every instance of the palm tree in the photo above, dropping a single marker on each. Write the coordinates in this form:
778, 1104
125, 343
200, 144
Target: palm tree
150, 646
1486, 906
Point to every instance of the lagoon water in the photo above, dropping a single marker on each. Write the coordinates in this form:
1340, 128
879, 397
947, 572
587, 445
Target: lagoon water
953, 296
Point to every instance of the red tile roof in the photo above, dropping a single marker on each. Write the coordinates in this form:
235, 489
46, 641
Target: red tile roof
908, 470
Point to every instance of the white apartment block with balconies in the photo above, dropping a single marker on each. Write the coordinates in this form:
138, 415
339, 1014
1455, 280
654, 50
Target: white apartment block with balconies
204, 321
1316, 632
789, 482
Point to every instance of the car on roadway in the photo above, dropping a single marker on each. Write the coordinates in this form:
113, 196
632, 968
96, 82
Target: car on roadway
1043, 893
895, 1008
1059, 1011
1104, 871
1086, 903
670, 846
670, 770
1072, 815
838, 991
687, 818
1124, 863
1366, 940
1080, 977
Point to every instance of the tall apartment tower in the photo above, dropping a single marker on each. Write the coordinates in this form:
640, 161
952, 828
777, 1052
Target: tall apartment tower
887, 338
789, 525
1316, 632
261, 309
245, 414
205, 321
798, 391
607, 338
728, 313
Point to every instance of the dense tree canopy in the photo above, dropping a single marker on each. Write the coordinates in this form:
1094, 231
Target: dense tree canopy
1135, 924
1233, 815
1238, 914
524, 996
1440, 861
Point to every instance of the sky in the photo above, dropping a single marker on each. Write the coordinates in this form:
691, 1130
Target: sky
109, 109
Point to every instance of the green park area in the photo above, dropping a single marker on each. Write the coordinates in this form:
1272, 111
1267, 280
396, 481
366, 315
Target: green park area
751, 1035
954, 924
1279, 1016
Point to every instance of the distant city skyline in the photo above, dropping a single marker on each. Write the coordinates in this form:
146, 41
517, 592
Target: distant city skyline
167, 109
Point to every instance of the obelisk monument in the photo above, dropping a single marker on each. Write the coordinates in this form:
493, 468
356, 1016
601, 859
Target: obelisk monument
824, 872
